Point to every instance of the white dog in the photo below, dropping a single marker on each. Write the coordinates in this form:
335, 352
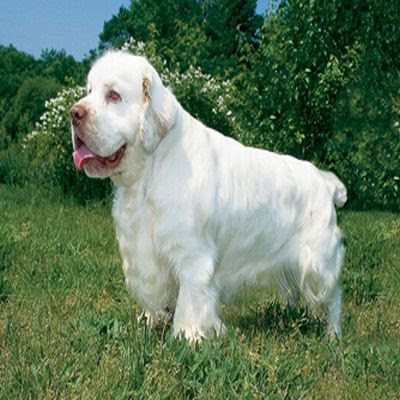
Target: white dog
198, 215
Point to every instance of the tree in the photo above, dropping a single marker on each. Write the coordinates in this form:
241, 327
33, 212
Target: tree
28, 105
324, 87
56, 64
188, 32
15, 67
26, 83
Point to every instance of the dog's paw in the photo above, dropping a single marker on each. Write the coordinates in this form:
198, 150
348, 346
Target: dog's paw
197, 334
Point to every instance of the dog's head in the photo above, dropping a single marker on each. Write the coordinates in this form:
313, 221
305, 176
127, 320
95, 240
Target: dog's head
126, 107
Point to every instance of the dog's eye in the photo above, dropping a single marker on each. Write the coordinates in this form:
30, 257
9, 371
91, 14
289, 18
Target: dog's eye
113, 96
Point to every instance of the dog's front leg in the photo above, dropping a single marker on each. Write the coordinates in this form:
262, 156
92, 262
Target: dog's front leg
196, 313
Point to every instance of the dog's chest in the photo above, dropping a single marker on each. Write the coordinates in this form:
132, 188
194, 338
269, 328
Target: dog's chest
134, 222
146, 274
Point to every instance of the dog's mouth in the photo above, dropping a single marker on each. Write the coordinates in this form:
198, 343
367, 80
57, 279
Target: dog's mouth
82, 155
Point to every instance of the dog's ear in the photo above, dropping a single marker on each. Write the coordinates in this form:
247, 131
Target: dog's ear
158, 104
146, 90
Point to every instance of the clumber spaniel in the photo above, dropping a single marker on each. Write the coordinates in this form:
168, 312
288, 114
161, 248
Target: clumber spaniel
198, 215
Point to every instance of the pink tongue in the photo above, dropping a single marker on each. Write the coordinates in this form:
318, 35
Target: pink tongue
81, 155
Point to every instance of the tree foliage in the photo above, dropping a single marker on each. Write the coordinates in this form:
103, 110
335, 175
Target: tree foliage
26, 83
15, 67
325, 84
28, 105
203, 33
63, 68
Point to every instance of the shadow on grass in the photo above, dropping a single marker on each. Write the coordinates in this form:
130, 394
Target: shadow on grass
275, 319
271, 318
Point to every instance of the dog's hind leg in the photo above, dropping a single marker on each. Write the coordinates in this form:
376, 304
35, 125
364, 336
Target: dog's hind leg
320, 279
332, 308
333, 300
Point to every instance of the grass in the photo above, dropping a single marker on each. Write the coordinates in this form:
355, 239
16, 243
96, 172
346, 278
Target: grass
68, 329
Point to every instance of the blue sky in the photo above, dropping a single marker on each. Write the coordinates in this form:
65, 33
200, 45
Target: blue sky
73, 25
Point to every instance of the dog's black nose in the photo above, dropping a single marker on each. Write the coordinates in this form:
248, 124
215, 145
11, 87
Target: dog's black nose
78, 114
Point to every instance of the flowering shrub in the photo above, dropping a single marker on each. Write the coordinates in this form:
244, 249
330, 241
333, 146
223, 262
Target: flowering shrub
205, 97
49, 148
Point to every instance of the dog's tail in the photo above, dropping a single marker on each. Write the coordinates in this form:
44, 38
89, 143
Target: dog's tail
339, 191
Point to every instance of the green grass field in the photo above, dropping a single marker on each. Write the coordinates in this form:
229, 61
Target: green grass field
68, 329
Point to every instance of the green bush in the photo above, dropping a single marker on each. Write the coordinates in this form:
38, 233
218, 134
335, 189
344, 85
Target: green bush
365, 148
14, 167
324, 86
204, 96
